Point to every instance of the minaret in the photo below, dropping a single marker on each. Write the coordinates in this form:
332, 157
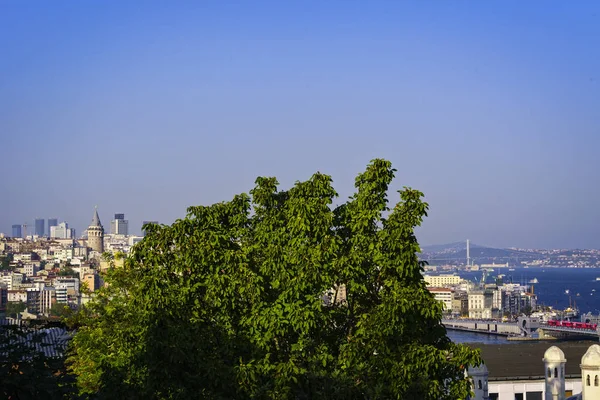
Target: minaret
590, 373
554, 363
479, 375
95, 234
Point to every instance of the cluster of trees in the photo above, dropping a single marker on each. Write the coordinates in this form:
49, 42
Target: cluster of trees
275, 295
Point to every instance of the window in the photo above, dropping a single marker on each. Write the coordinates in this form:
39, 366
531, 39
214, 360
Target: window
533, 396
596, 381
493, 396
549, 373
479, 385
519, 396
587, 381
556, 372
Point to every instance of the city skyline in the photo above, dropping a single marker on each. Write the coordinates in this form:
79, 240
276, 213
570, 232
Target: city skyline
488, 108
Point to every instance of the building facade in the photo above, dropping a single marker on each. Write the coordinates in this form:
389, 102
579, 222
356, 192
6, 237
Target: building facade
119, 225
40, 227
51, 222
16, 231
441, 280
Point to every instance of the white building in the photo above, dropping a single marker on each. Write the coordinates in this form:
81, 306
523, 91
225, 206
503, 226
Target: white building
62, 231
480, 304
441, 280
13, 280
442, 295
516, 372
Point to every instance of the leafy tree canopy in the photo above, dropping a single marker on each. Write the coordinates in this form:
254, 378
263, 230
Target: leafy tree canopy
25, 371
275, 294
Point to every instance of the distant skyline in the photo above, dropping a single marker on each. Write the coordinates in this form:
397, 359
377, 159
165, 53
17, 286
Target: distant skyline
145, 108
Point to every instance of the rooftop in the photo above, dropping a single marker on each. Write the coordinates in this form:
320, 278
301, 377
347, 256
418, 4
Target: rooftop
524, 360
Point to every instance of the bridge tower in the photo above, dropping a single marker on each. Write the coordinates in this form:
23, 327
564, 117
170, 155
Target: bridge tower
554, 361
590, 373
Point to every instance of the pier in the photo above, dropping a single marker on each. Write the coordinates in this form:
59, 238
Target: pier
524, 327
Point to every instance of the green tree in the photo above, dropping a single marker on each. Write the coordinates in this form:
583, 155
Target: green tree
26, 372
276, 294
5, 262
15, 307
67, 271
60, 310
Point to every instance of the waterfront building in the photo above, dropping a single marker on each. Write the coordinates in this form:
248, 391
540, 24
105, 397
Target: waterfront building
119, 225
16, 231
95, 234
441, 280
443, 295
480, 304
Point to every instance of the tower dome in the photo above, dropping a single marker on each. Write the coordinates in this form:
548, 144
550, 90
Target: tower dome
591, 358
590, 373
554, 354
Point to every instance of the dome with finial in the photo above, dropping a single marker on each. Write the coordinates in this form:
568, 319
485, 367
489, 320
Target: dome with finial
554, 354
591, 358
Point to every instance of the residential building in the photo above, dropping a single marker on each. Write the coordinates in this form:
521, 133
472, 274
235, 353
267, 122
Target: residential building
441, 280
92, 281
444, 296
40, 299
12, 280
3, 299
480, 304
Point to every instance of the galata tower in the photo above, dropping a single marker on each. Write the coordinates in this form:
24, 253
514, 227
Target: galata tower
95, 233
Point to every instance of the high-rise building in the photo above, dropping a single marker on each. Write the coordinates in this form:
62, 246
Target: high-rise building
62, 231
16, 231
52, 222
119, 226
95, 233
39, 227
147, 222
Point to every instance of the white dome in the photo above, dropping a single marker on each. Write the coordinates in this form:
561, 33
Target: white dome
554, 354
592, 357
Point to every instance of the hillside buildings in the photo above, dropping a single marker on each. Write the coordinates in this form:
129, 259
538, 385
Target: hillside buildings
480, 301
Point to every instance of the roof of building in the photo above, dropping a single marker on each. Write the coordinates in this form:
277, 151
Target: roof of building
96, 218
523, 360
592, 357
554, 354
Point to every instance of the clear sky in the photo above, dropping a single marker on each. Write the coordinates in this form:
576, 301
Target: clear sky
491, 108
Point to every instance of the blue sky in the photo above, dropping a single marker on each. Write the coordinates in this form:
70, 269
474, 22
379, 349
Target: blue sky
146, 107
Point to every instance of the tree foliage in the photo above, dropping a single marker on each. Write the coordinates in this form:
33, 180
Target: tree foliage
244, 299
25, 371
14, 308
